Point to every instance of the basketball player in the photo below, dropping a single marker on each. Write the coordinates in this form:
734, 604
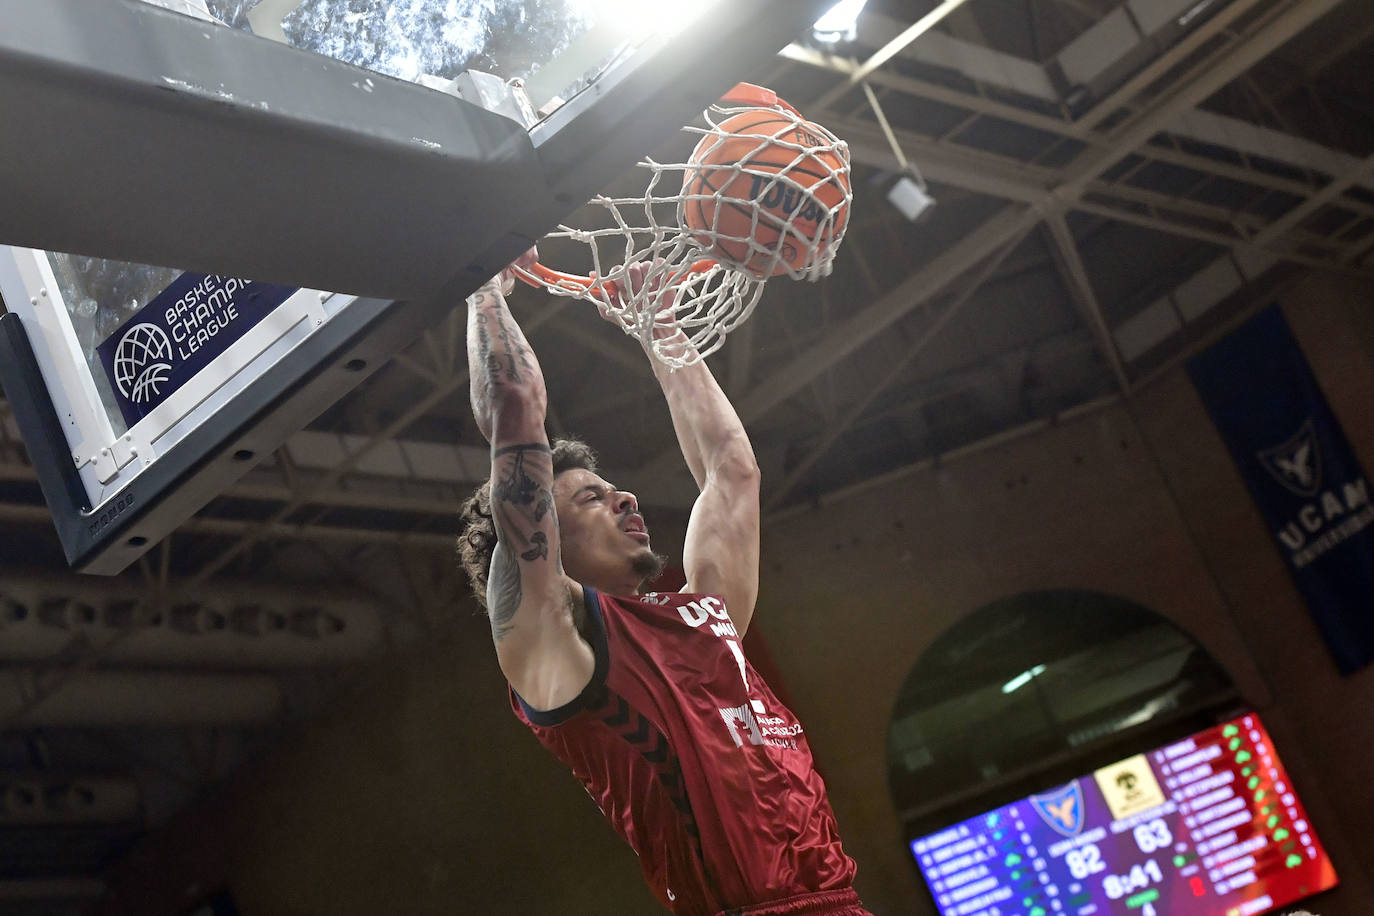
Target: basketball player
647, 697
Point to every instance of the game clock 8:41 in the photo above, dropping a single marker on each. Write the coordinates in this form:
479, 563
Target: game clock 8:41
1137, 879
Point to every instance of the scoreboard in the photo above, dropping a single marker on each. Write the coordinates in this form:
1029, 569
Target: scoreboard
1207, 826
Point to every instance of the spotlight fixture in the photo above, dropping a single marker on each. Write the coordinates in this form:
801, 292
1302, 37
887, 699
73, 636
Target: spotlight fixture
840, 25
909, 195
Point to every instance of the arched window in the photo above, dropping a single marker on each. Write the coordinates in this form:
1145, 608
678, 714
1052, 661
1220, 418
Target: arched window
1034, 689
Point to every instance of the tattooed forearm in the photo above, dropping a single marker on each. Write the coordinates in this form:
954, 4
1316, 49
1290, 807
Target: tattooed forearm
480, 359
502, 351
517, 353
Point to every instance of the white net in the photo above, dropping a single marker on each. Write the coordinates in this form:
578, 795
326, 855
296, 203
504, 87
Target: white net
764, 193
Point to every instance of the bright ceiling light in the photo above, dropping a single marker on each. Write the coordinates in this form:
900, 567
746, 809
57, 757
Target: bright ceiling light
640, 18
839, 25
1022, 679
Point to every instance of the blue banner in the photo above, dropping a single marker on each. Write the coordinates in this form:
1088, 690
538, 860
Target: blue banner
178, 333
1301, 472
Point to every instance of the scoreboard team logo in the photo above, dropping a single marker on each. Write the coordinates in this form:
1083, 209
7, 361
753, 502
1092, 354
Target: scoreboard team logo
1129, 787
1062, 809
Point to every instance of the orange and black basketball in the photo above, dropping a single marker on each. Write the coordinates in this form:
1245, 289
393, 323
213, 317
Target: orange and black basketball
769, 196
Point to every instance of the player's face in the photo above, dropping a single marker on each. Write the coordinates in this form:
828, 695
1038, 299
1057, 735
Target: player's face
603, 539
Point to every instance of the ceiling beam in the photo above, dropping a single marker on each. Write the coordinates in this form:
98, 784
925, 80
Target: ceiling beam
888, 79
895, 371
949, 162
1080, 287
1234, 172
946, 163
1312, 204
351, 497
631, 358
1347, 44
1247, 224
1336, 265
983, 173
900, 43
843, 340
930, 389
872, 483
1210, 77
1161, 65
250, 531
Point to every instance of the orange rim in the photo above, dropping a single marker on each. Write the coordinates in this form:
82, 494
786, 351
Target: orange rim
752, 96
540, 275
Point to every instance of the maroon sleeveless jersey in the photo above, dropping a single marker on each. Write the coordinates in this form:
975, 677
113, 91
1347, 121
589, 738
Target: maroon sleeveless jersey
693, 759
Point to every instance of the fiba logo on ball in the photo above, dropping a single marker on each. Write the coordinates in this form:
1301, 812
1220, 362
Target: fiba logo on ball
142, 362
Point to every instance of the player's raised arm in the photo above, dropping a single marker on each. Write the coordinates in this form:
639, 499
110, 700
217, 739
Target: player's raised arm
721, 553
529, 599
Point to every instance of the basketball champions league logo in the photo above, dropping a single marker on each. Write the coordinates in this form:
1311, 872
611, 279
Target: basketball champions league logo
142, 362
180, 332
1061, 809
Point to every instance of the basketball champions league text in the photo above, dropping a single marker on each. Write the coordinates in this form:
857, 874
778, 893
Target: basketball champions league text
202, 312
751, 721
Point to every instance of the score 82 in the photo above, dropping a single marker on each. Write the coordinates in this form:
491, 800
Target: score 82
1152, 836
1084, 861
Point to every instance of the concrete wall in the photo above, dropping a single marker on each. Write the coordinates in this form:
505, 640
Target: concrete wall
420, 794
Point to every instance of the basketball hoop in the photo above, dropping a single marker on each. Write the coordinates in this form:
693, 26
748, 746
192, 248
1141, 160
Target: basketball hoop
763, 194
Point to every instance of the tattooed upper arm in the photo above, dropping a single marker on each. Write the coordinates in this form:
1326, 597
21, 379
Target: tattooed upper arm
503, 592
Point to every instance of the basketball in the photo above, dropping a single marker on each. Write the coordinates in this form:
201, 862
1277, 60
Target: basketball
767, 193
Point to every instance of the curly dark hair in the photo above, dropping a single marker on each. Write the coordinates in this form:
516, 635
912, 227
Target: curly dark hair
477, 531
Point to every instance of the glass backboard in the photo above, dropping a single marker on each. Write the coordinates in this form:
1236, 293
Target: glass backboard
555, 47
327, 176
